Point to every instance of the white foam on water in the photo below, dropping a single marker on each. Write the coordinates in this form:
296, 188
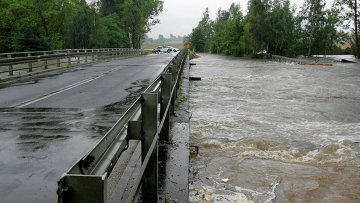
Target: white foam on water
202, 194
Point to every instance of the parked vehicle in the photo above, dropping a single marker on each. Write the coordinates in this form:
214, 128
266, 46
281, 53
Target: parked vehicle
164, 49
174, 49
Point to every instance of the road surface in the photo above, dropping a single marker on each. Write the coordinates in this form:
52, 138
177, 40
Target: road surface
48, 124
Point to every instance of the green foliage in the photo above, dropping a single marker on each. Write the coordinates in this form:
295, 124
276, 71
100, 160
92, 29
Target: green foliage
138, 16
270, 26
170, 200
318, 26
109, 33
352, 16
55, 24
197, 40
200, 35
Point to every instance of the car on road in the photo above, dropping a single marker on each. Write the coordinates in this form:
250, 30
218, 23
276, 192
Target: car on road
174, 49
164, 49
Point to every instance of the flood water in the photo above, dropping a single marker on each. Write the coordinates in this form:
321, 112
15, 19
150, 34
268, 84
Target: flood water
274, 132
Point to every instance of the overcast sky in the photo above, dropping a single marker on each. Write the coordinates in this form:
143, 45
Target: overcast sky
179, 17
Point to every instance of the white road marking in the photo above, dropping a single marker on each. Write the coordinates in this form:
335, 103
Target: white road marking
31, 101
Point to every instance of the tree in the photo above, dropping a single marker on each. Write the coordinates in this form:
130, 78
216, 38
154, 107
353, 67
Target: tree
282, 29
109, 33
29, 25
353, 14
200, 36
138, 16
259, 22
161, 39
319, 26
197, 39
217, 43
109, 7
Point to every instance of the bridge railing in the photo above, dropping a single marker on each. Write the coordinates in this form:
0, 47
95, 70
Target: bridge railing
28, 61
146, 121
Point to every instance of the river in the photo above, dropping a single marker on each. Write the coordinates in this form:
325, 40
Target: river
274, 132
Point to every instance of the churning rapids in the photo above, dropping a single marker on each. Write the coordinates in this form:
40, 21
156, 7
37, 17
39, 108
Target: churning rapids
274, 132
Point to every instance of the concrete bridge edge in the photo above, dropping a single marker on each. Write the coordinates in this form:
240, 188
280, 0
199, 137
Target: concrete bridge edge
174, 154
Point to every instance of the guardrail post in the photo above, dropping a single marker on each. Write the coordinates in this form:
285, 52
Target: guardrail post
77, 188
85, 56
173, 70
78, 51
69, 58
11, 70
165, 99
45, 62
149, 115
30, 66
58, 62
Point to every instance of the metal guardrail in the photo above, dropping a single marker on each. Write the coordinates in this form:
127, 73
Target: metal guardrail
27, 61
86, 181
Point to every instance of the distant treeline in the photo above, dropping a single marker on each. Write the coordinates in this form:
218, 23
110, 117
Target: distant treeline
27, 25
161, 40
276, 27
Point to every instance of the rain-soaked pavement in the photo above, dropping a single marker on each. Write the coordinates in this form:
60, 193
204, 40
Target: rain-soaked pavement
48, 124
274, 132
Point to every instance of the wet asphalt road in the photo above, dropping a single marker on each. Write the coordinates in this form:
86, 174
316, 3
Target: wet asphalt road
47, 124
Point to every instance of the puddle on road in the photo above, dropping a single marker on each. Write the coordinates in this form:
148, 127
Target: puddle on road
272, 132
38, 145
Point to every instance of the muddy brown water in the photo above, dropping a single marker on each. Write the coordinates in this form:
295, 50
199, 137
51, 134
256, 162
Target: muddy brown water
274, 132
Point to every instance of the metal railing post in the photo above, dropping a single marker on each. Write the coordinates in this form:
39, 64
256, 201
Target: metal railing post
165, 99
30, 63
69, 58
30, 66
85, 56
11, 70
78, 56
76, 188
173, 70
45, 62
149, 115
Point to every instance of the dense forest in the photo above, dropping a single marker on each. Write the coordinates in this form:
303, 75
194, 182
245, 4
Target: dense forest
27, 25
277, 27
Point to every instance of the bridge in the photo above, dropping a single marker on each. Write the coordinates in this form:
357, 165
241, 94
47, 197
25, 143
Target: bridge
46, 96
265, 130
